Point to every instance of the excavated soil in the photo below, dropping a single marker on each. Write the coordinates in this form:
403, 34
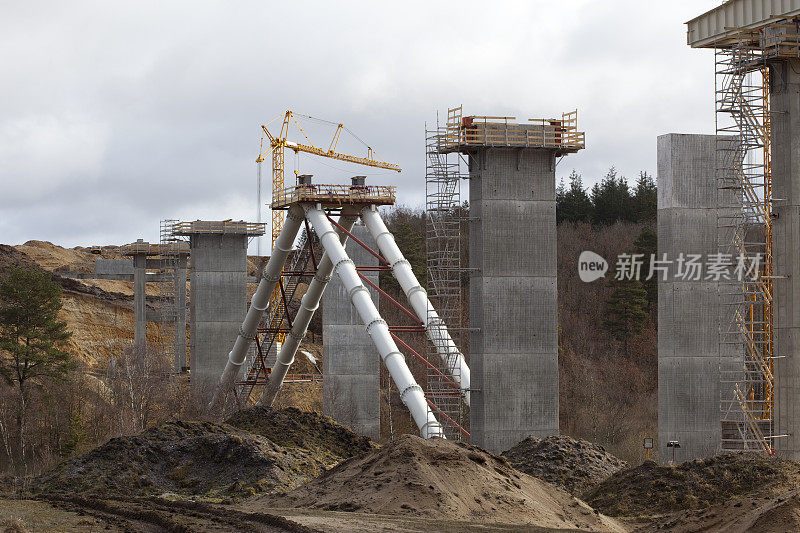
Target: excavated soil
295, 429
651, 489
574, 465
195, 459
441, 479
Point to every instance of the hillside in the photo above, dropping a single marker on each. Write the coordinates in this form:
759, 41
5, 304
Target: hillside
98, 312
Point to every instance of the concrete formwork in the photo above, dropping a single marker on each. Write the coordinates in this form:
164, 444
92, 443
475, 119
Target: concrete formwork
513, 306
690, 311
785, 106
350, 363
217, 304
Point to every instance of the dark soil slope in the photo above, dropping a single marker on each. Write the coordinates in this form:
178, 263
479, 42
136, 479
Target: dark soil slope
651, 489
198, 459
293, 428
572, 464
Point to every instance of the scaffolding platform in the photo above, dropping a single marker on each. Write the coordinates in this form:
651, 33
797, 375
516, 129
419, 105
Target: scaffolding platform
335, 196
140, 247
463, 133
218, 227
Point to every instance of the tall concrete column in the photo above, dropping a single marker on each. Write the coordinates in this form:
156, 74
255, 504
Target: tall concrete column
690, 311
350, 363
218, 297
785, 112
513, 306
179, 364
139, 305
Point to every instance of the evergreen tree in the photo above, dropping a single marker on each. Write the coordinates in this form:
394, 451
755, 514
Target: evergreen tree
611, 199
646, 243
31, 336
626, 310
573, 204
645, 199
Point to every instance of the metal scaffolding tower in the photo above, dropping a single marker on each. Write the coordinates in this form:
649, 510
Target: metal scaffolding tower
444, 216
277, 322
744, 225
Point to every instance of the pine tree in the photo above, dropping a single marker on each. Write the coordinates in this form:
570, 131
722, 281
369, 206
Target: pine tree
611, 199
573, 204
645, 199
626, 310
31, 336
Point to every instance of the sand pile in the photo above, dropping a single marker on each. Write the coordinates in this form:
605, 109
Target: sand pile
292, 428
198, 459
439, 479
572, 464
651, 489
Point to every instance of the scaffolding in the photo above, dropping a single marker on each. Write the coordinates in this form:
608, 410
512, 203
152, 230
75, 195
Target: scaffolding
744, 228
444, 216
277, 322
170, 248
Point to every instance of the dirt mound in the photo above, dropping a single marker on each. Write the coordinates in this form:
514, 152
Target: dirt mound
292, 428
199, 459
652, 489
572, 464
52, 257
441, 479
11, 257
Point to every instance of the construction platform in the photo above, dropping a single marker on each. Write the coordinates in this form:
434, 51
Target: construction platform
218, 227
463, 134
335, 196
140, 247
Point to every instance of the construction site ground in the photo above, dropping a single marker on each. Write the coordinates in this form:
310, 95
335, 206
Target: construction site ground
408, 484
292, 469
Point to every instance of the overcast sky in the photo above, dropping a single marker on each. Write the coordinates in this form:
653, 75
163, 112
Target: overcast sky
114, 115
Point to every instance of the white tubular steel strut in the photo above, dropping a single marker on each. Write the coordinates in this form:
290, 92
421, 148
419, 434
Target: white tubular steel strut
451, 356
258, 304
308, 305
410, 392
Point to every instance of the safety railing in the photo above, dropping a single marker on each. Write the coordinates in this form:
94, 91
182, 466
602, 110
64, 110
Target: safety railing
335, 195
558, 134
218, 226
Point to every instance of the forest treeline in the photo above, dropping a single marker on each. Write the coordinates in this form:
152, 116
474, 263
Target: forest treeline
610, 200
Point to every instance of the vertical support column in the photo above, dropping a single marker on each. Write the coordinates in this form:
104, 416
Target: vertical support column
513, 306
784, 86
179, 364
350, 369
218, 304
139, 307
689, 311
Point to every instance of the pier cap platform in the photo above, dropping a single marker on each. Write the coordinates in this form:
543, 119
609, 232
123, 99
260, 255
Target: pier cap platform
473, 132
335, 196
210, 227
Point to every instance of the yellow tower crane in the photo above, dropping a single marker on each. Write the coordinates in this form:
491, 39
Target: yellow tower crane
277, 145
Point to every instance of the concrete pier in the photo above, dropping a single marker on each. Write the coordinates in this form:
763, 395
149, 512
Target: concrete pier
513, 307
218, 299
688, 310
179, 364
139, 252
785, 113
350, 363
